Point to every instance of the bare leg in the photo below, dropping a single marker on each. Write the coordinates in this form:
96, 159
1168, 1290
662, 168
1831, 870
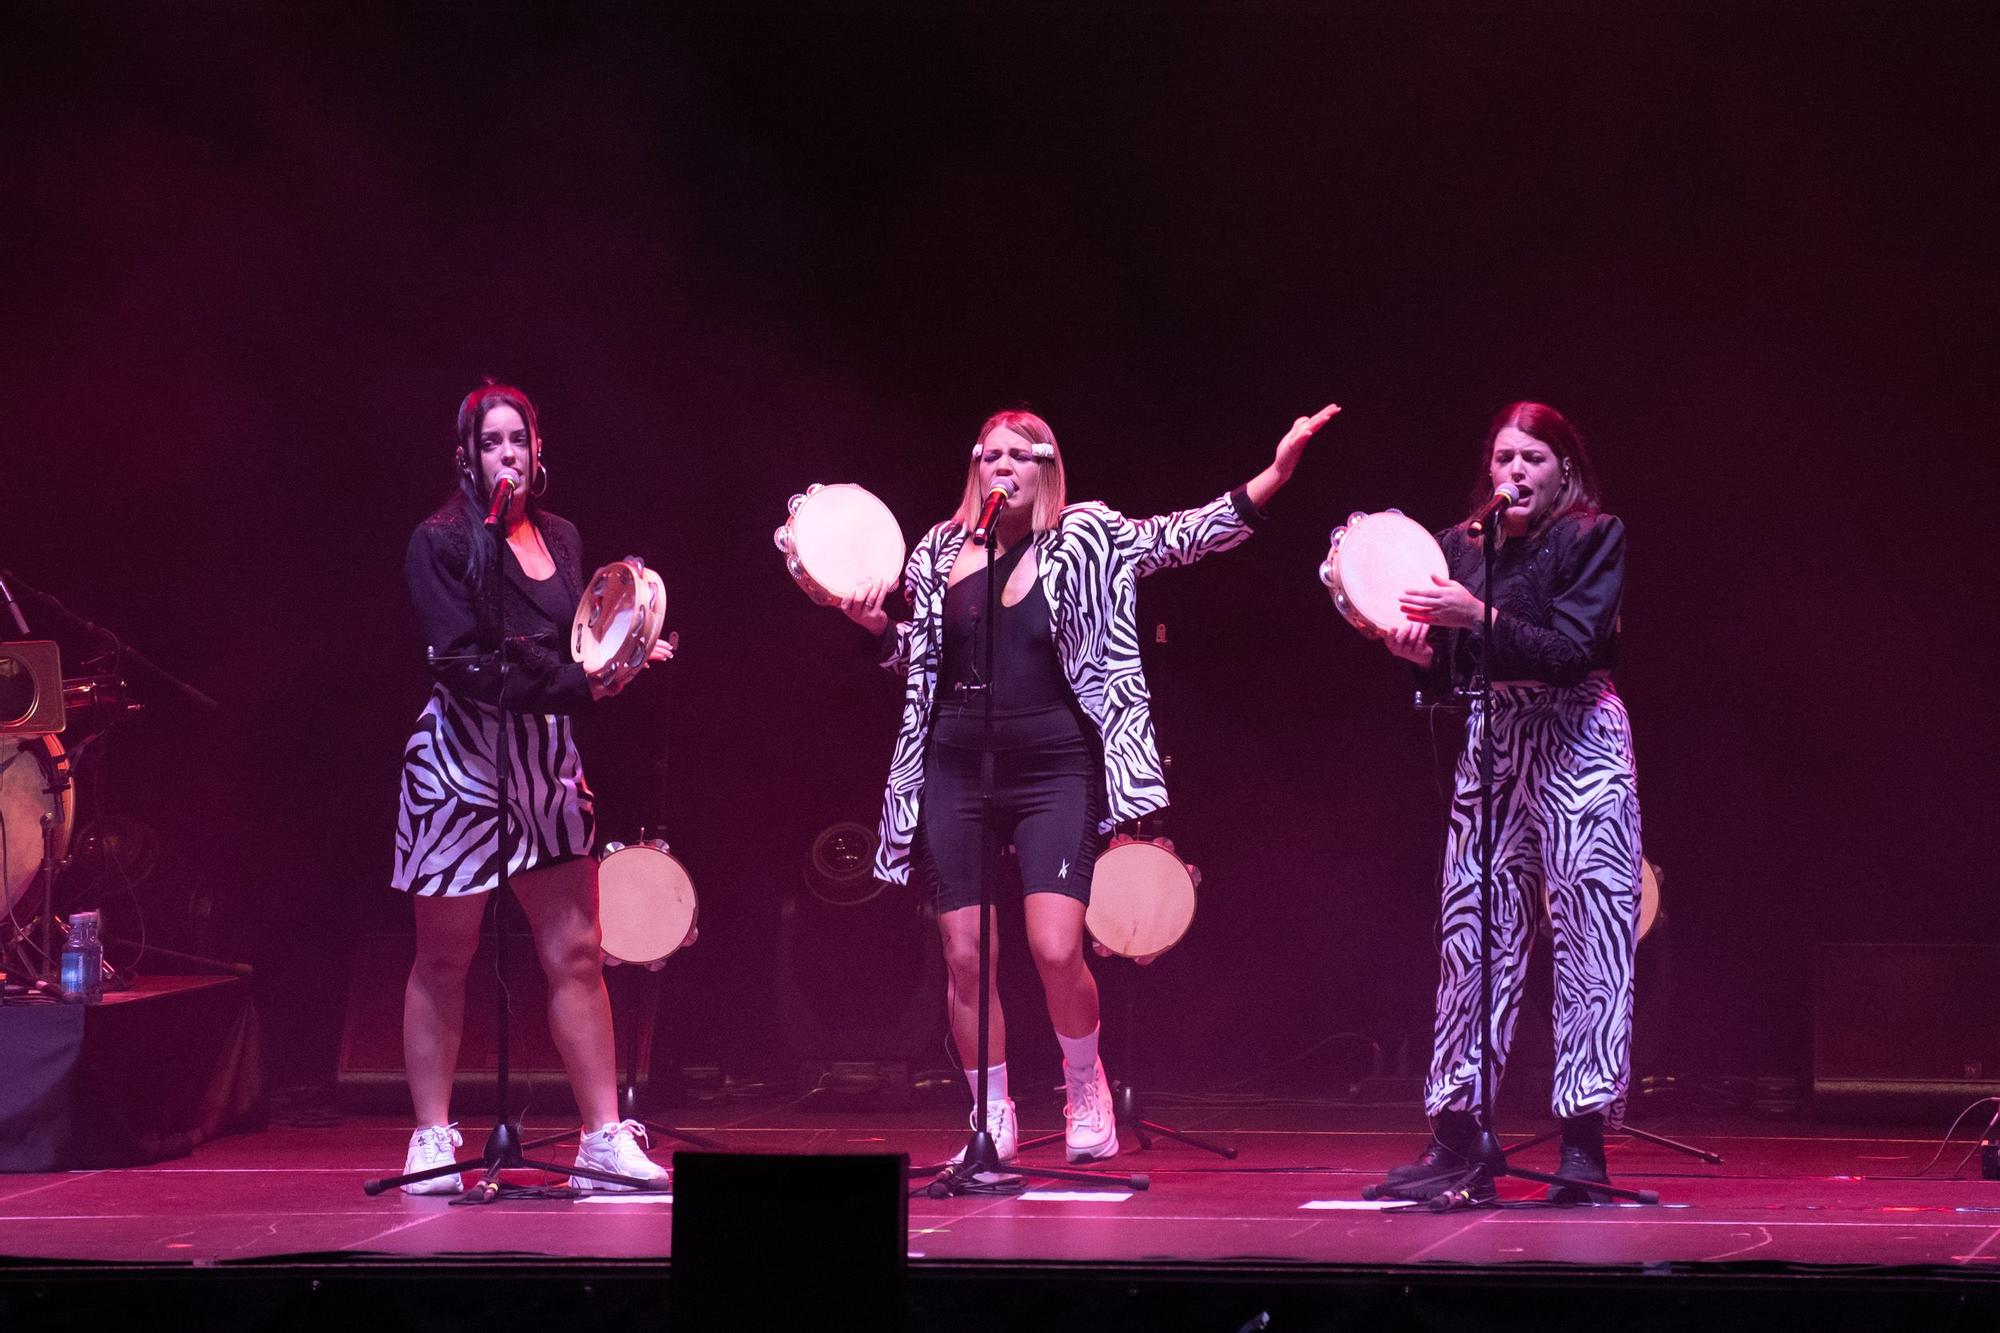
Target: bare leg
561, 905
1055, 937
434, 1000
959, 928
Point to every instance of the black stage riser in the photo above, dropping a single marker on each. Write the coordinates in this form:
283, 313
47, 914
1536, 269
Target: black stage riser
387, 1297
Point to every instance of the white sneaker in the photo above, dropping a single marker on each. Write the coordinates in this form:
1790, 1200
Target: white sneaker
1001, 1123
432, 1146
1090, 1133
615, 1148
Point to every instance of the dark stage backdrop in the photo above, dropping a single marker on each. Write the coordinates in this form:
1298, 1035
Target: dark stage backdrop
253, 255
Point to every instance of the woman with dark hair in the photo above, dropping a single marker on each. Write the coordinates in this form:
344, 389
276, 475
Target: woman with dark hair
448, 830
1566, 809
1072, 726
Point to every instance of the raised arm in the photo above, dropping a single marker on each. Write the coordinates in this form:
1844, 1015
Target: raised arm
1183, 537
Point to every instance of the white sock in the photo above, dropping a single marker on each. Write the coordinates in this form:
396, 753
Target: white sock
1080, 1055
996, 1082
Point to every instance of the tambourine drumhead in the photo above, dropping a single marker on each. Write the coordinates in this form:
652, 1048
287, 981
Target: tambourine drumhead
1141, 900
839, 538
1649, 896
619, 619
26, 764
645, 903
1375, 559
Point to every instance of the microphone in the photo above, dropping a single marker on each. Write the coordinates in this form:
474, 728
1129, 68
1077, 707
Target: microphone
503, 494
13, 607
1505, 496
1003, 490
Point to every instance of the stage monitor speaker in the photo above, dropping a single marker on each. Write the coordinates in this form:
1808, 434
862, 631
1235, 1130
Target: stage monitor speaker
31, 688
774, 1242
1905, 1023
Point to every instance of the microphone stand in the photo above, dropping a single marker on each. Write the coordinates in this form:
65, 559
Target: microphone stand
504, 1150
645, 1004
982, 1156
1472, 1186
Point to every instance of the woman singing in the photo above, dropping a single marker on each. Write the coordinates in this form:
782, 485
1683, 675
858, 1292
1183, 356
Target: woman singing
1566, 797
448, 831
1073, 733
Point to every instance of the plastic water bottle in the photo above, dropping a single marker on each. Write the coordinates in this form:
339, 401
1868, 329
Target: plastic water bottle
83, 961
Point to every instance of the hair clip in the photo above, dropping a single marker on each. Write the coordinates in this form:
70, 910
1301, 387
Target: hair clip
1041, 450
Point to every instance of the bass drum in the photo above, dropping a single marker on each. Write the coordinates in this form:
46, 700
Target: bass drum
645, 903
1141, 899
29, 766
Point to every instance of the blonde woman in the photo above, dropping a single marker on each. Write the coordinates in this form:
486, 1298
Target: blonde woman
1073, 751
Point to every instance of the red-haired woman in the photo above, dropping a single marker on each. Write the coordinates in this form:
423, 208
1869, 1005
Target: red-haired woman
1074, 751
1566, 837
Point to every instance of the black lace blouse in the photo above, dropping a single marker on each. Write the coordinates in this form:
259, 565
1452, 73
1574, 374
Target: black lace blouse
453, 602
1558, 600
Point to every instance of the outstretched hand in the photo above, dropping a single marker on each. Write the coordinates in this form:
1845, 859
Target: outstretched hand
1286, 460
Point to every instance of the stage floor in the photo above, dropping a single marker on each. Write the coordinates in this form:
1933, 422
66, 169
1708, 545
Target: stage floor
1783, 1196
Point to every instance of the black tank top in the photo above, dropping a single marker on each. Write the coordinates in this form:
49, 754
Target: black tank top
1025, 665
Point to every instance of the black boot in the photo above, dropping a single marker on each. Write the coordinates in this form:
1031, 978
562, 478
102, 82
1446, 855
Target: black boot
1449, 1151
1583, 1160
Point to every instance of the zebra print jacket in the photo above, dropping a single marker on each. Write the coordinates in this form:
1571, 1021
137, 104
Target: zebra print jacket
1089, 566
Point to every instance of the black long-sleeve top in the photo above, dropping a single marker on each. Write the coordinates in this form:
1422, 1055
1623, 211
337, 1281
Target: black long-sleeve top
1558, 600
454, 606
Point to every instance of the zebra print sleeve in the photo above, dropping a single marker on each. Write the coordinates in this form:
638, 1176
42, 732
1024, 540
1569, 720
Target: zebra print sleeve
918, 572
1180, 538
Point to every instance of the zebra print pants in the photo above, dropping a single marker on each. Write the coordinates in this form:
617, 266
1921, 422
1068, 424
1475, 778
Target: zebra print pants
1566, 806
448, 826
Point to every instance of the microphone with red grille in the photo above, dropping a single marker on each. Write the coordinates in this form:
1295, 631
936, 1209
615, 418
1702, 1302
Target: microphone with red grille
1003, 490
503, 495
1505, 497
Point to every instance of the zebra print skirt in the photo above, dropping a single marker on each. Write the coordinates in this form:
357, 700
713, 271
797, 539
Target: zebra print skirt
448, 827
1565, 848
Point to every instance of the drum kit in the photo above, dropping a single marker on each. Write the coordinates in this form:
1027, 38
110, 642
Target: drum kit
39, 708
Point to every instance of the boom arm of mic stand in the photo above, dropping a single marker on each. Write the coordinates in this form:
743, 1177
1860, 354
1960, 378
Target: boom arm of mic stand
124, 650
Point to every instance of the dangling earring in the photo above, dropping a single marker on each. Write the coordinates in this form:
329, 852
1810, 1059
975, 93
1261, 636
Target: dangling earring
542, 476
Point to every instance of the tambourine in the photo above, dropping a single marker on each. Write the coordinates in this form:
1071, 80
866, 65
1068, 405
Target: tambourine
839, 539
645, 903
1141, 898
1373, 560
618, 621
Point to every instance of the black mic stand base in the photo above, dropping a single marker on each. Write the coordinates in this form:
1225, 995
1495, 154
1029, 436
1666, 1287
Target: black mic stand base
981, 1171
505, 1151
1475, 1185
1633, 1131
